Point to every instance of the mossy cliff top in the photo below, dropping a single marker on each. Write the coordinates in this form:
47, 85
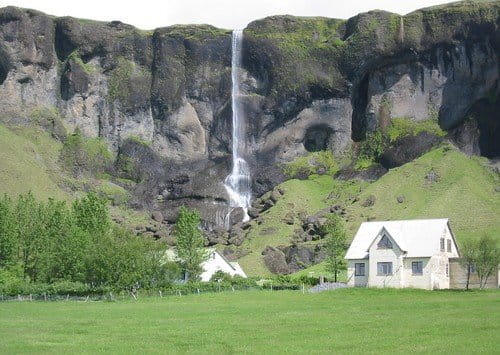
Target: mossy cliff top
314, 57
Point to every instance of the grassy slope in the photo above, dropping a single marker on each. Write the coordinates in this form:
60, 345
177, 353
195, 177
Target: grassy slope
343, 321
28, 162
465, 192
300, 196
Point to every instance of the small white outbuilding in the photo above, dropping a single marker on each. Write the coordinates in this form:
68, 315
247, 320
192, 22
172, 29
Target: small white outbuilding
217, 262
410, 253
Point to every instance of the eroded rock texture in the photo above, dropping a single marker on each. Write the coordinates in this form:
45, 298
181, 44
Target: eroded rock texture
308, 84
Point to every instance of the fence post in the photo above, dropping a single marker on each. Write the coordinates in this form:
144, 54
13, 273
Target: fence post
179, 292
303, 289
45, 296
161, 296
31, 298
67, 297
232, 287
271, 286
198, 290
86, 300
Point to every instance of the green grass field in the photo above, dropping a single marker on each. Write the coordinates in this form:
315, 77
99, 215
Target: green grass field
342, 321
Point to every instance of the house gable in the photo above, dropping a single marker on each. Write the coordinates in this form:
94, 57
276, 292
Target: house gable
384, 240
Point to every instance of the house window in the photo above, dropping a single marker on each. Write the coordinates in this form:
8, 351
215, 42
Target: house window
417, 267
442, 244
384, 269
384, 243
359, 269
447, 270
448, 245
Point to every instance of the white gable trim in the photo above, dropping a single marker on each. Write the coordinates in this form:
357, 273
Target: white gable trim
383, 231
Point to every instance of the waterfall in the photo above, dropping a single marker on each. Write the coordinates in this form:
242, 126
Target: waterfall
238, 183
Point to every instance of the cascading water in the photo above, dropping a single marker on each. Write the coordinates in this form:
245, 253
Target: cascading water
238, 183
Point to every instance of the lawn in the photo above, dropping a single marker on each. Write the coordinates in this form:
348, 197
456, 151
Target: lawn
348, 320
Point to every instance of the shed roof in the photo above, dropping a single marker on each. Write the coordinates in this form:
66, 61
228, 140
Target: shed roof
417, 237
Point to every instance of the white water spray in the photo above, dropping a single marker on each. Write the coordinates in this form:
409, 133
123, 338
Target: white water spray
238, 183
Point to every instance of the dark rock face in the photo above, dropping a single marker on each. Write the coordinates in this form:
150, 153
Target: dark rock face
408, 148
308, 84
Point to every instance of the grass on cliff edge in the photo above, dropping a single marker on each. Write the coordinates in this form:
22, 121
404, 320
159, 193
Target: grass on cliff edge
28, 162
464, 191
342, 321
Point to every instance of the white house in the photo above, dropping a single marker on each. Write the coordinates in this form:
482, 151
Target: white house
411, 253
217, 262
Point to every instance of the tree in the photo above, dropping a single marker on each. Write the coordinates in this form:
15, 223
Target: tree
336, 245
92, 215
468, 257
8, 237
189, 242
487, 258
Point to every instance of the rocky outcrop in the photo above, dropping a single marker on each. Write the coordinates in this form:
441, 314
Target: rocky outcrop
289, 259
161, 99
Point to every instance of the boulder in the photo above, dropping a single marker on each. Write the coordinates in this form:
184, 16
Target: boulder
275, 261
289, 218
236, 236
157, 216
236, 216
370, 201
253, 212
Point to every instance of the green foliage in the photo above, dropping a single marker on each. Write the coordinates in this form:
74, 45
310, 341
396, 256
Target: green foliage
373, 146
46, 243
81, 154
92, 215
119, 79
222, 276
300, 48
487, 258
114, 193
310, 164
190, 242
126, 79
401, 127
336, 245
87, 67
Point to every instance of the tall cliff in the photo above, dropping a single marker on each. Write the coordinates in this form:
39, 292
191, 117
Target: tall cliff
310, 84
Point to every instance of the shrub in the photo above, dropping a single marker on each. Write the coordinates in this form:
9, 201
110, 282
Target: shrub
373, 146
81, 154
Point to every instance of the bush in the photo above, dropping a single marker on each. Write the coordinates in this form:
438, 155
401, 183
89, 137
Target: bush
81, 154
373, 146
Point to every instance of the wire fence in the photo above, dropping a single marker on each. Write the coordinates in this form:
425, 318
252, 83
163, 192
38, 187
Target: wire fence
125, 295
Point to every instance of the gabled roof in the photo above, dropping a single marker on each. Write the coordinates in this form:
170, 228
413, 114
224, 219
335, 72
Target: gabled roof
417, 237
